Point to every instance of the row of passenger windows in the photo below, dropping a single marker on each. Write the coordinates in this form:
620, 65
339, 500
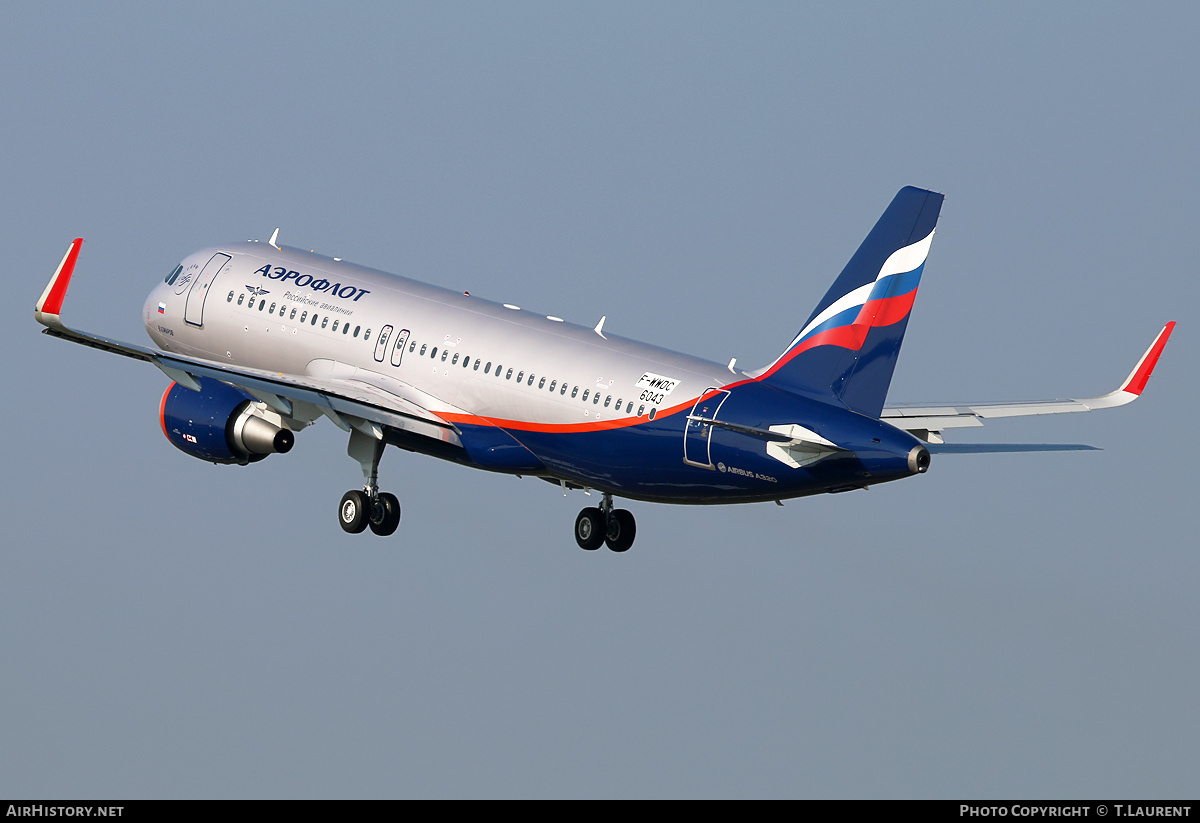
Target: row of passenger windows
304, 318
529, 380
281, 309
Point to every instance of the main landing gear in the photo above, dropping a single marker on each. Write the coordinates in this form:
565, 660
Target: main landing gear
369, 507
595, 526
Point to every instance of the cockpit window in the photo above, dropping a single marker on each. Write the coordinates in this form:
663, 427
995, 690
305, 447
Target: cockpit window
171, 277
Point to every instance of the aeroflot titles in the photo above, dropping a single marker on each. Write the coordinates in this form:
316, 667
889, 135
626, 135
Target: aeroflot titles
316, 284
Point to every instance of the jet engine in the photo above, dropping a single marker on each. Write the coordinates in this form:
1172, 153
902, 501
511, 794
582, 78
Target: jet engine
221, 424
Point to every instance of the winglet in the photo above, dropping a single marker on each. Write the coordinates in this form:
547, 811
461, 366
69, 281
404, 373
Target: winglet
1136, 381
48, 307
1141, 372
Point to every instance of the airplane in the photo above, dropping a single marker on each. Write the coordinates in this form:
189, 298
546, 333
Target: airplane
262, 340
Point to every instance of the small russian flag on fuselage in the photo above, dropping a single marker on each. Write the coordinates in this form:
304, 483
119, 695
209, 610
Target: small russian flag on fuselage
162, 308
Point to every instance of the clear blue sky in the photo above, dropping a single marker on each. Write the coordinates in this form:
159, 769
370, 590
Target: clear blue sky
1006, 625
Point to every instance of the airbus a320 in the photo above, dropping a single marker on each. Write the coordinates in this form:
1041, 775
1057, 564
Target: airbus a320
262, 340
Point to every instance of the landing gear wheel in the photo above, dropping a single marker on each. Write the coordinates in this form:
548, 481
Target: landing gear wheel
589, 529
385, 514
353, 511
621, 530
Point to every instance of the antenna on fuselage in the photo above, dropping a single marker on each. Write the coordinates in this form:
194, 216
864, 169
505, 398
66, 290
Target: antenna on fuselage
274, 237
600, 327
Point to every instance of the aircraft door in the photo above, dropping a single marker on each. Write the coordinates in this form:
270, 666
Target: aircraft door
697, 435
398, 349
385, 334
193, 312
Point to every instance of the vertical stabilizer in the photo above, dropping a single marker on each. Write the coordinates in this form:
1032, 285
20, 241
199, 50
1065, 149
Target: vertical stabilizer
848, 347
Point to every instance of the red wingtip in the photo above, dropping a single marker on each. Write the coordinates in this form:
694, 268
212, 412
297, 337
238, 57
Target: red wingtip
1137, 380
51, 302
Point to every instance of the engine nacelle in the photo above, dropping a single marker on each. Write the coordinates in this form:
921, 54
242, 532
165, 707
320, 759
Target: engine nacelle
220, 424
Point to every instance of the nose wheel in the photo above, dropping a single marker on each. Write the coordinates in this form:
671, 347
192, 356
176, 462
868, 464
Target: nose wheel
596, 526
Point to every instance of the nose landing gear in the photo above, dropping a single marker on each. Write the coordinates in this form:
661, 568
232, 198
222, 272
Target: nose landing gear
595, 526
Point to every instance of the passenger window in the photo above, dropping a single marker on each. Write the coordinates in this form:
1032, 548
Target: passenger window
334, 326
607, 400
542, 384
530, 381
356, 328
433, 353
324, 321
314, 320
272, 311
241, 297
520, 376
553, 386
499, 369
586, 392
477, 366
641, 410
412, 347
262, 305
454, 361
366, 335
229, 299
509, 375
293, 316
629, 407
596, 398
444, 353
563, 390
574, 391
250, 302
304, 317
346, 329
467, 362
487, 369
652, 413
423, 347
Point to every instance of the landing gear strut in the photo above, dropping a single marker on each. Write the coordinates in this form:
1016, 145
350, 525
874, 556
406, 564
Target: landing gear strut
369, 507
595, 526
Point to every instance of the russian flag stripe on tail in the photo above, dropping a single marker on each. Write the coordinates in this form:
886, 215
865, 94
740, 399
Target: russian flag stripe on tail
848, 348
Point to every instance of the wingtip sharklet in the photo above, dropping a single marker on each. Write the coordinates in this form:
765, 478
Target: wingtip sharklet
50, 304
1133, 385
1136, 381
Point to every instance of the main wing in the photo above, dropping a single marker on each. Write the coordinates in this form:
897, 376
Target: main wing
350, 397
928, 422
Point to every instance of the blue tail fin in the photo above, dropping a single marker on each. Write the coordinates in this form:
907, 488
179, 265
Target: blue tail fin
848, 347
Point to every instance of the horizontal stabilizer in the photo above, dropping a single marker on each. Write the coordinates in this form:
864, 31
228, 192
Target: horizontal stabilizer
994, 448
